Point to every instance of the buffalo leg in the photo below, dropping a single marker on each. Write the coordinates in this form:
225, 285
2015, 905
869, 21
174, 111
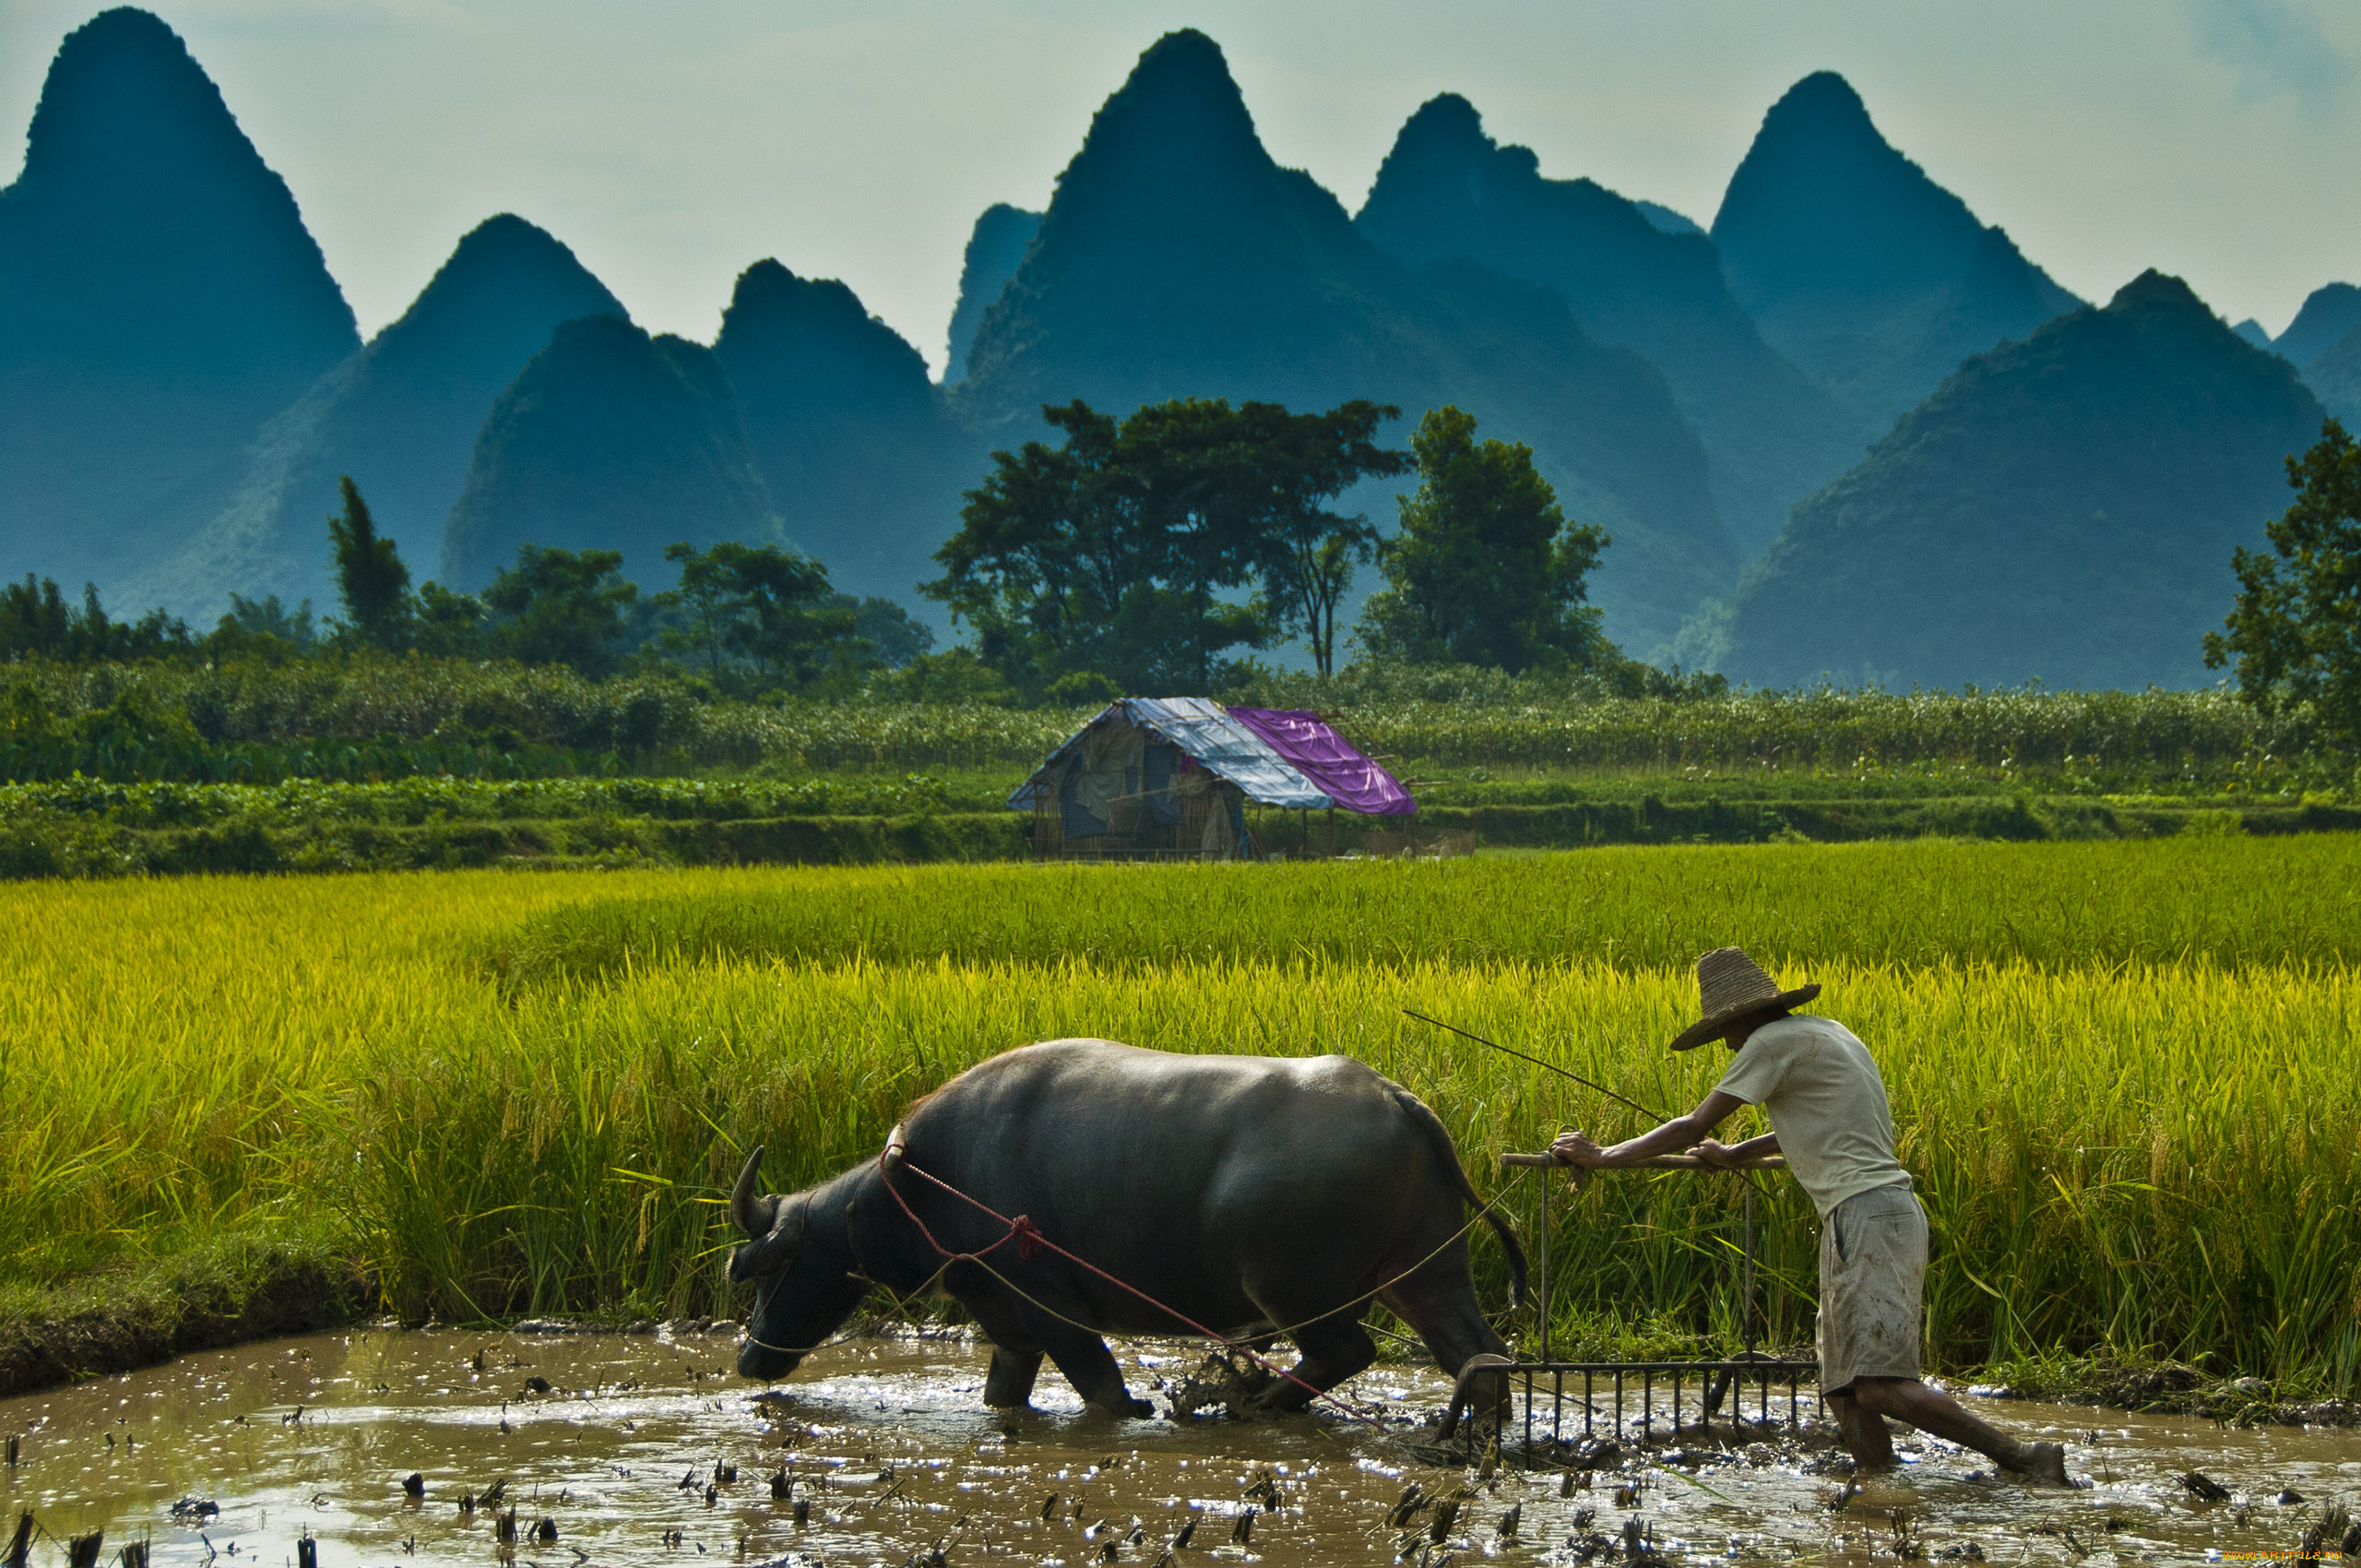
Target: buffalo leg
1016, 1354
1083, 1360
1331, 1351
1443, 1311
1009, 1384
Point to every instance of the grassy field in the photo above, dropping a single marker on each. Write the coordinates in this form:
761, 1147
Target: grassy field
2123, 1072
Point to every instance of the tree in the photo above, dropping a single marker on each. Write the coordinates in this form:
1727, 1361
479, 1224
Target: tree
770, 607
791, 629
894, 636
561, 607
1306, 552
2296, 630
35, 619
1486, 570
370, 576
449, 624
705, 598
1122, 552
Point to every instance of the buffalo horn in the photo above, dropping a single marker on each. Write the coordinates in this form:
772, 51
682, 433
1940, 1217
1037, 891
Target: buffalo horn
754, 1214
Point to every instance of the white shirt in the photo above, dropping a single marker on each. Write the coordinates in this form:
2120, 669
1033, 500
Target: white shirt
1820, 1088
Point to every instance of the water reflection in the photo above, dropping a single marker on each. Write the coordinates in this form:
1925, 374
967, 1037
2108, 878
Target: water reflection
637, 1449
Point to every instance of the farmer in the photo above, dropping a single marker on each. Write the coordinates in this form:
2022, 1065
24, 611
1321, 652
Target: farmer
1828, 1113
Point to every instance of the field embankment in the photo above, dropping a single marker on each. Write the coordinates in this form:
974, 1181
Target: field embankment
2122, 1072
374, 764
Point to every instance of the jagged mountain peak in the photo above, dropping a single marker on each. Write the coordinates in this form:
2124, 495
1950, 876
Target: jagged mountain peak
1445, 122
506, 278
1175, 133
1869, 276
996, 248
1824, 104
159, 297
138, 187
2064, 508
117, 59
1823, 203
2159, 291
2330, 314
816, 331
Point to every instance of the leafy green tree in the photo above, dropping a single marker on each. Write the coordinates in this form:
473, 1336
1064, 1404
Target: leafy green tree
1123, 551
1486, 570
2296, 630
1307, 553
774, 610
561, 607
371, 579
36, 618
793, 629
708, 601
449, 624
894, 636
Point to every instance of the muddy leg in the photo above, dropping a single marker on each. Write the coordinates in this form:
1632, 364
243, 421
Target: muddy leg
1908, 1399
1016, 1354
1864, 1433
1009, 1384
1083, 1360
1332, 1350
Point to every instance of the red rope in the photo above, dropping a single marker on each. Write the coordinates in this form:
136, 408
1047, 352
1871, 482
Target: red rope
1030, 1241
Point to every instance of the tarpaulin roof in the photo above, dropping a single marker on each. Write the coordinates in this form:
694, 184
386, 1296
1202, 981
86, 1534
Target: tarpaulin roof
1321, 756
1224, 744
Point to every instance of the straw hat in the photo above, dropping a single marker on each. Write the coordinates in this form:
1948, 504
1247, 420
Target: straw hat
1730, 986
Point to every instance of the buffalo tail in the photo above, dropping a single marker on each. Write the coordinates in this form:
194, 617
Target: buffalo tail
1448, 1152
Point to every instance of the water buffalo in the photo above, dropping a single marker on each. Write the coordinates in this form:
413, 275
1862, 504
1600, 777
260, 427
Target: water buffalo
1244, 1191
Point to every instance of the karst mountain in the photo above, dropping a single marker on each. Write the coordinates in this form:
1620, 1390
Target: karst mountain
1177, 259
1872, 279
1772, 437
400, 416
844, 427
1940, 466
160, 298
995, 249
610, 439
2062, 510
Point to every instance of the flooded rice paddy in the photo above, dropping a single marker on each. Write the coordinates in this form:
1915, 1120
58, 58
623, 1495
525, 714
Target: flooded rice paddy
640, 1449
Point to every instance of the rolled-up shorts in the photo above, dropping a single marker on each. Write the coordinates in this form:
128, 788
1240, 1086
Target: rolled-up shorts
1872, 1271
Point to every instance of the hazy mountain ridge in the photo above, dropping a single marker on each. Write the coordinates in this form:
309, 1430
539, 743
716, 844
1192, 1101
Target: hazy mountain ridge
2063, 509
181, 384
610, 439
995, 249
401, 417
1872, 279
159, 297
2329, 315
842, 422
2336, 380
1177, 259
1772, 437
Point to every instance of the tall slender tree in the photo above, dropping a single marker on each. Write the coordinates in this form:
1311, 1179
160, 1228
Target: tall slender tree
370, 578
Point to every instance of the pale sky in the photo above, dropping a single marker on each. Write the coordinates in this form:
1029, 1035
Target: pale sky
671, 144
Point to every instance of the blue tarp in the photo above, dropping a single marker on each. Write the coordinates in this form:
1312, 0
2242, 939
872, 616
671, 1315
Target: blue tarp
1206, 733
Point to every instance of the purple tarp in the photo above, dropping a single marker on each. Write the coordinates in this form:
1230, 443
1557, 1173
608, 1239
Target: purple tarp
1328, 760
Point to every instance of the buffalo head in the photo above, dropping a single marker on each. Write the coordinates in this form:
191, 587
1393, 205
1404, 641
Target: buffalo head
797, 1256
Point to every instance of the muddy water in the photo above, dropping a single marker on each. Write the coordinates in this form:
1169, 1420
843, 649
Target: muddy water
889, 1454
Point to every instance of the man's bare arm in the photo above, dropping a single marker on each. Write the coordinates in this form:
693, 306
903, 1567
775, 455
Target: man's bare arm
1681, 1132
1729, 1154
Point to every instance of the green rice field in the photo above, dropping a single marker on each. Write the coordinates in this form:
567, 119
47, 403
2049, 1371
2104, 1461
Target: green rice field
2124, 1072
